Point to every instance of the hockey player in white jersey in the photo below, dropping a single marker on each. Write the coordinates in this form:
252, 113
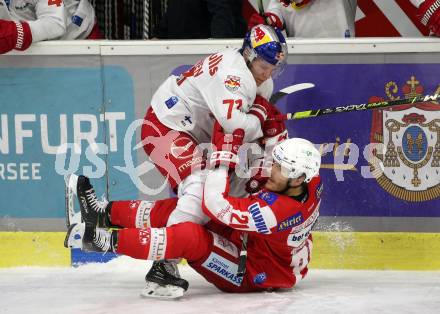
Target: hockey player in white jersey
230, 87
310, 18
23, 22
223, 87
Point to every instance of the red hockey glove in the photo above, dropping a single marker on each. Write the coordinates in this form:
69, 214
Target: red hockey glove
266, 112
429, 15
227, 146
268, 18
259, 176
14, 35
274, 131
272, 127
270, 142
261, 109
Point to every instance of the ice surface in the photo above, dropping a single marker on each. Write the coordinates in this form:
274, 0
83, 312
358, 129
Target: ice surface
114, 288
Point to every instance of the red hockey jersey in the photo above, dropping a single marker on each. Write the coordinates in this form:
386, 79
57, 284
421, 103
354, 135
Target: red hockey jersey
279, 228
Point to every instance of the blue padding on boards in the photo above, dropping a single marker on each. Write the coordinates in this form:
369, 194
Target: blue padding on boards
79, 257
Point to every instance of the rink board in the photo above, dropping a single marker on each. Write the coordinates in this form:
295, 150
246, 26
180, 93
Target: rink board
332, 250
90, 93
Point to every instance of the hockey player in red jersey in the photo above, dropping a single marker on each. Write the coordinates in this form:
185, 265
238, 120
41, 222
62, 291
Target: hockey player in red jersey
278, 221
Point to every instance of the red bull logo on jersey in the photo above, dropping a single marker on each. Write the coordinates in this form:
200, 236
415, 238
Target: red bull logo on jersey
232, 83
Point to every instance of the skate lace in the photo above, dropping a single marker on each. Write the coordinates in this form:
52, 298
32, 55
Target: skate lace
102, 239
93, 201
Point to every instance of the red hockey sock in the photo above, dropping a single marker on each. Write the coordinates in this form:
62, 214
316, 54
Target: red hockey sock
123, 213
134, 242
142, 214
187, 240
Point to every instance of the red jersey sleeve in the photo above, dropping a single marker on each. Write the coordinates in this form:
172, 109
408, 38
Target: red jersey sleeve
266, 213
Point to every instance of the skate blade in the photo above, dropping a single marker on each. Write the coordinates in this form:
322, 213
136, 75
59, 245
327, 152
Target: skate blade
72, 217
74, 236
72, 182
156, 291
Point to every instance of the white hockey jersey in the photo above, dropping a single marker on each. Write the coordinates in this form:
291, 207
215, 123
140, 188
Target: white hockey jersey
219, 87
320, 18
51, 19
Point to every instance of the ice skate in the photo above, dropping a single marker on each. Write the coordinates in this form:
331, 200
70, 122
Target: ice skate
74, 236
99, 240
93, 212
164, 282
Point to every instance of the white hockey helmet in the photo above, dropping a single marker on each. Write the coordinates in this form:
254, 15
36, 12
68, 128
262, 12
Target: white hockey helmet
296, 157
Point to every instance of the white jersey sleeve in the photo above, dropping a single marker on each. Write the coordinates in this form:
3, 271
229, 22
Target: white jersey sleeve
50, 22
52, 19
81, 19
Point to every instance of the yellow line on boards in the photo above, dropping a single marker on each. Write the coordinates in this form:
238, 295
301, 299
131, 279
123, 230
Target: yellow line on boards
376, 250
33, 249
331, 250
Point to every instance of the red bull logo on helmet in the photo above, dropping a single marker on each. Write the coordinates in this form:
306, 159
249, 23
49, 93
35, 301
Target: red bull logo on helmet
260, 37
